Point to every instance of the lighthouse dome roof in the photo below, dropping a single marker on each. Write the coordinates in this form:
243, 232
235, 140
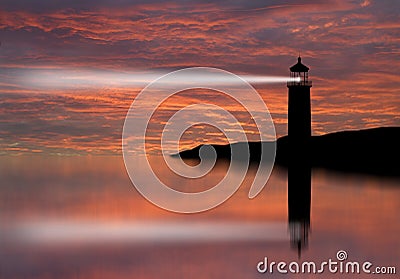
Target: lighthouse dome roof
299, 67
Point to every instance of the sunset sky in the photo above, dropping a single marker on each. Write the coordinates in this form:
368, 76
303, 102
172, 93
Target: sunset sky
351, 47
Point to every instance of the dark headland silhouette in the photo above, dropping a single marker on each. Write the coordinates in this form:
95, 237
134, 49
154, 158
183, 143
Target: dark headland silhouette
372, 151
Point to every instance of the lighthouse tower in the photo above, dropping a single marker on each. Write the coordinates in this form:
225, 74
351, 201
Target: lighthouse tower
299, 115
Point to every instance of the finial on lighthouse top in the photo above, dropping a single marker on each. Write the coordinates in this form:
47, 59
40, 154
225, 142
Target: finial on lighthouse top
299, 67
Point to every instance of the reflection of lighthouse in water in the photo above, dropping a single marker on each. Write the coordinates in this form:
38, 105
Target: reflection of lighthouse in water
299, 170
299, 205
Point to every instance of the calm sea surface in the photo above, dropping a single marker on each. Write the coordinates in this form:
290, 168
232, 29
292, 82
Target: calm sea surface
80, 217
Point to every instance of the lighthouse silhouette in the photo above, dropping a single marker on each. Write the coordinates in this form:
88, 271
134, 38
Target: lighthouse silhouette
299, 111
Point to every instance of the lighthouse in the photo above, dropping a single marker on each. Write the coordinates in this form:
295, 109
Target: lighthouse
299, 111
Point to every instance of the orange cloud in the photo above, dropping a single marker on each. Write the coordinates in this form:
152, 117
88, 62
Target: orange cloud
352, 50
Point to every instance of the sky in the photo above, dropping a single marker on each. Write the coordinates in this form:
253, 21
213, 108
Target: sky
64, 65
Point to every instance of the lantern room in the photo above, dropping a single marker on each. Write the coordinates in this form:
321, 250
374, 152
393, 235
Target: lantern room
299, 74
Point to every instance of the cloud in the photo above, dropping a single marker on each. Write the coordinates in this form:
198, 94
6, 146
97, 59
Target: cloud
352, 48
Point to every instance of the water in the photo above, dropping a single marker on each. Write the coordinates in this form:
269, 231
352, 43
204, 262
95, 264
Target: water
80, 217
